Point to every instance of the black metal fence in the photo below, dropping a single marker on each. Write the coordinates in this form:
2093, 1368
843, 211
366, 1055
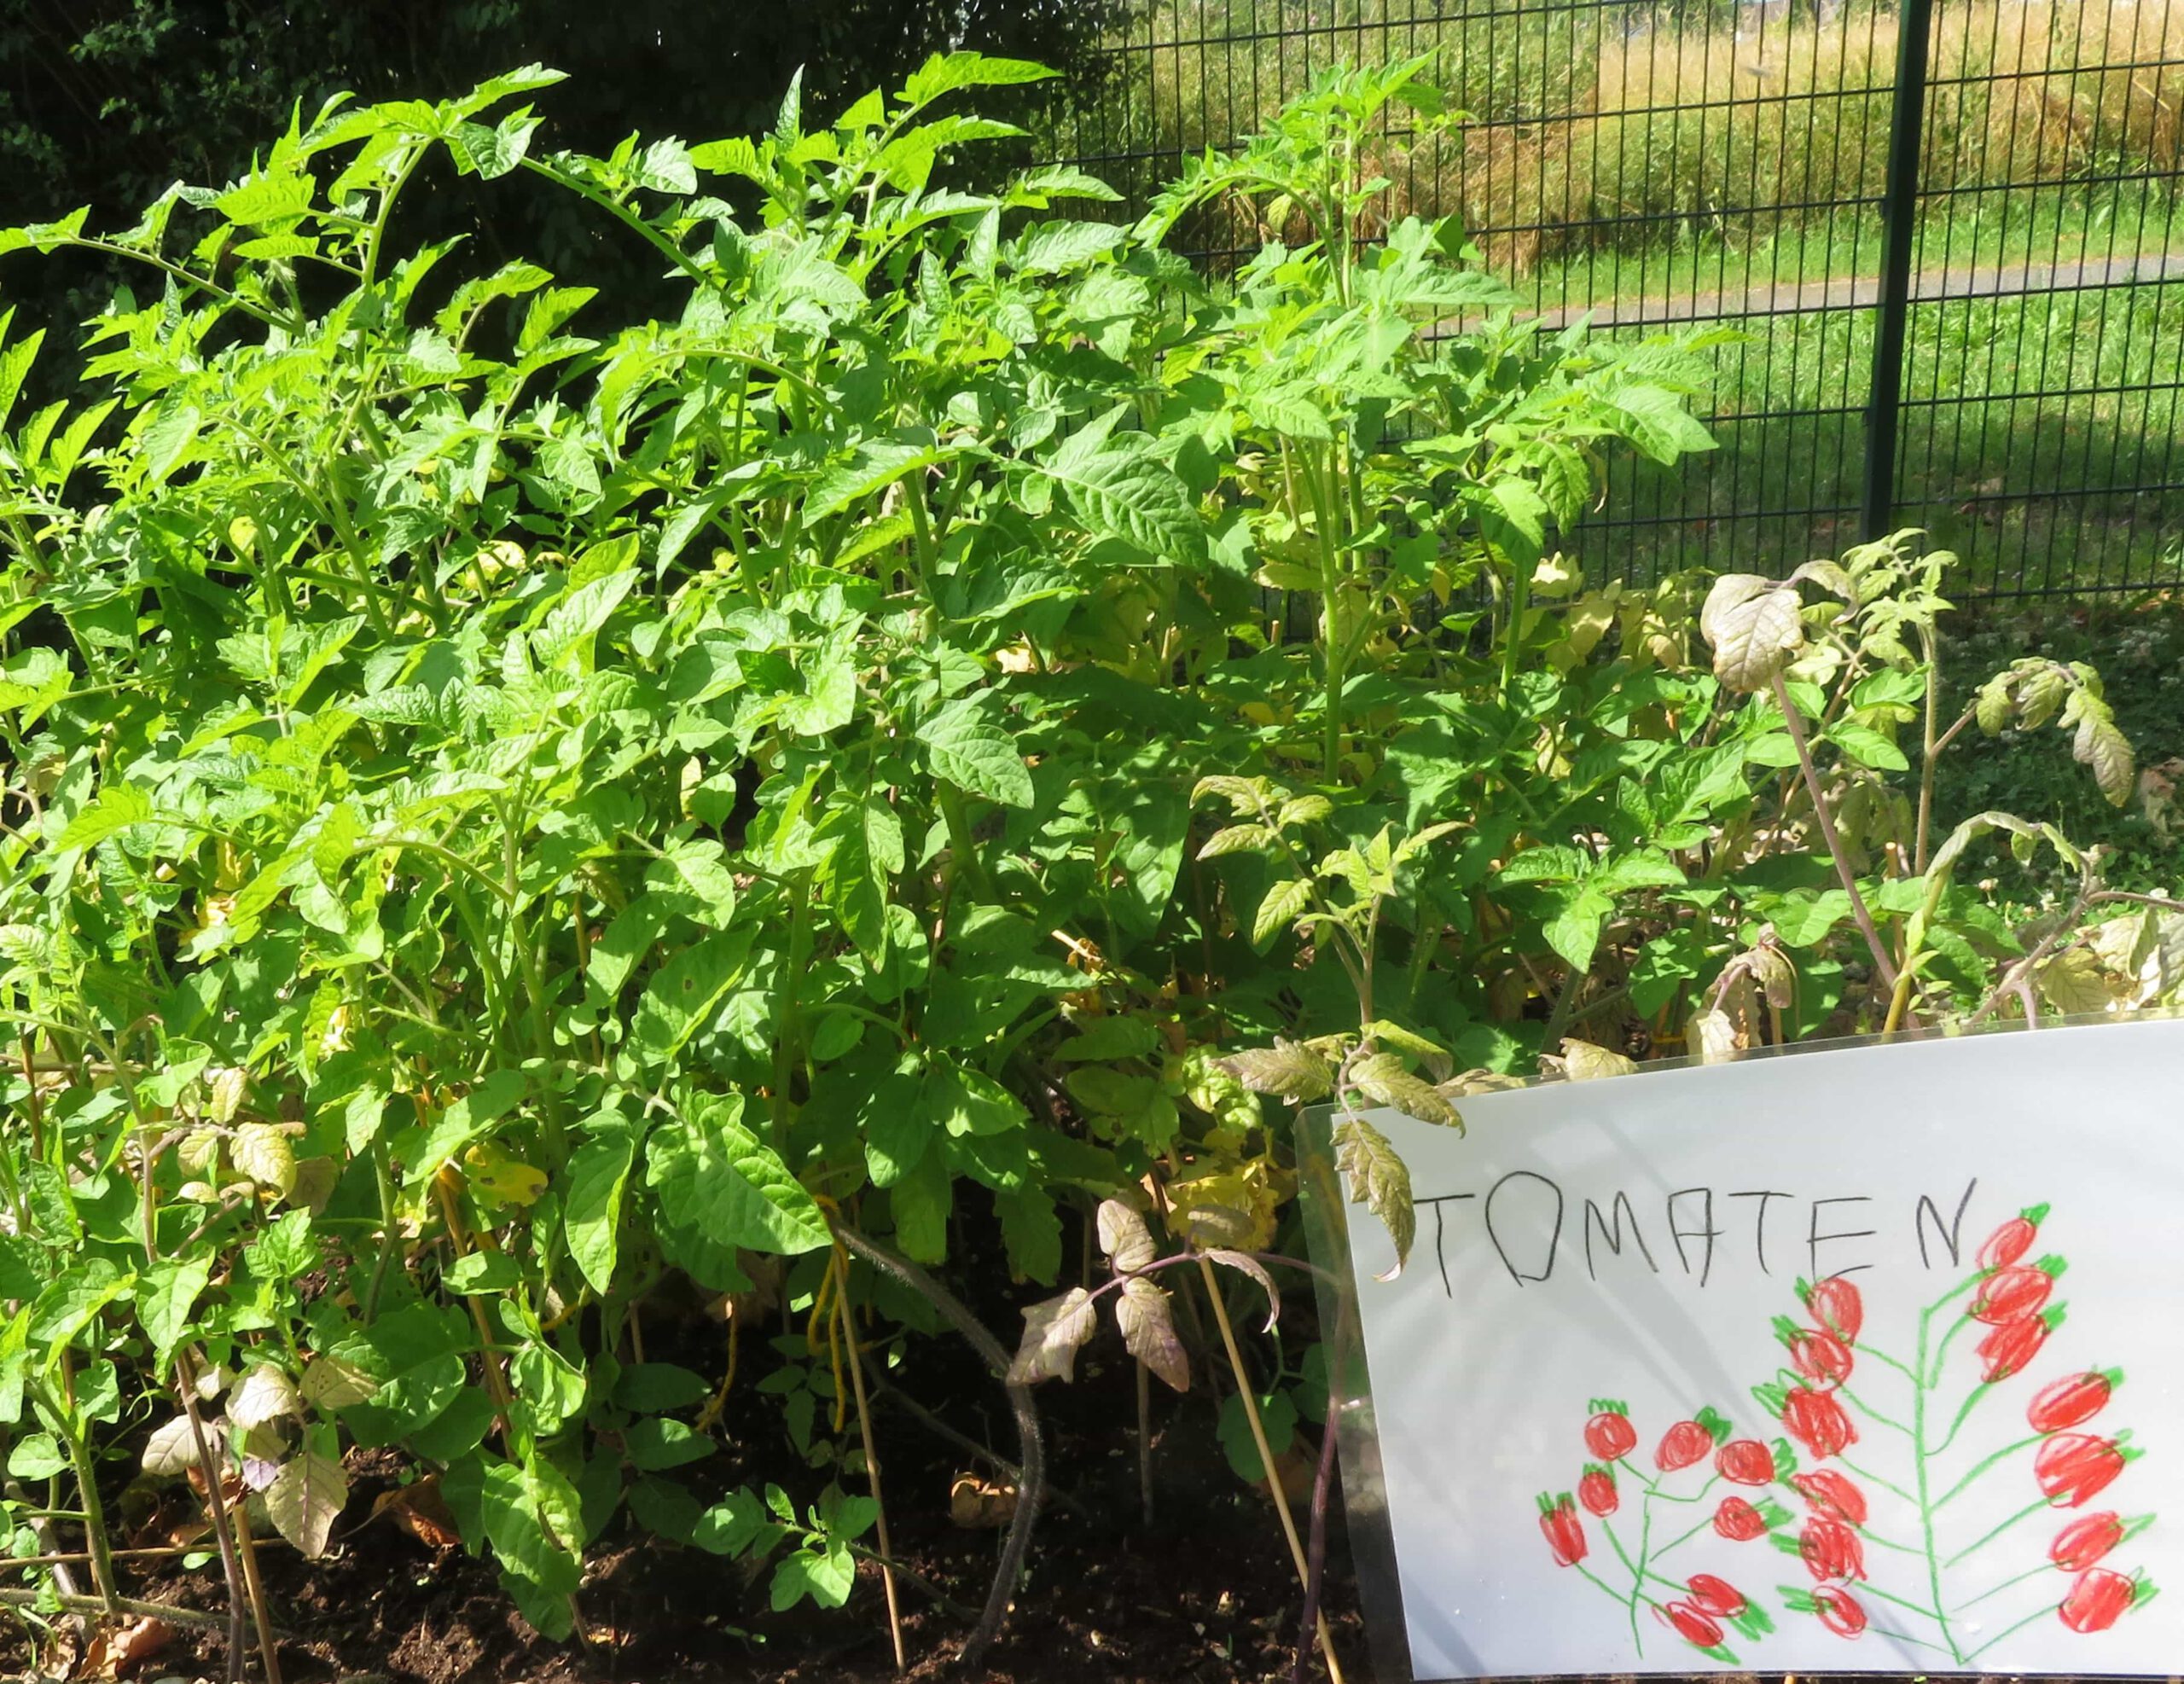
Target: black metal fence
1948, 230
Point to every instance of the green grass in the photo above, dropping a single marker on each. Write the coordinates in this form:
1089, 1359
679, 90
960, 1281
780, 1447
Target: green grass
2040, 226
2066, 394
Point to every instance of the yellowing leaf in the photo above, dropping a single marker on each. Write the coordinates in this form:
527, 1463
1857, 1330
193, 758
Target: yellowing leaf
1379, 1180
226, 1091
308, 1495
1754, 626
1123, 1237
1149, 1332
261, 1151
263, 1396
1585, 1062
498, 1177
1053, 1331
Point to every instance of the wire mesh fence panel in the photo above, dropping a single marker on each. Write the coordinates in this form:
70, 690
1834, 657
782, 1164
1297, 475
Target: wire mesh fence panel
1726, 162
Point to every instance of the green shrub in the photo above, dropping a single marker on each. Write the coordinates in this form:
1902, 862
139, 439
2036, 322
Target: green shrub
505, 826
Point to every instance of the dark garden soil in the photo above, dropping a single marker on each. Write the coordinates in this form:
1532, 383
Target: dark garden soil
1206, 1593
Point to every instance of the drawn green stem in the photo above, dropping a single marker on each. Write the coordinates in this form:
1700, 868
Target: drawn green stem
1645, 1553
1904, 1637
1888, 1486
2002, 1455
2010, 1631
2025, 1514
1683, 1537
1918, 1394
2045, 1567
1864, 1408
1963, 1414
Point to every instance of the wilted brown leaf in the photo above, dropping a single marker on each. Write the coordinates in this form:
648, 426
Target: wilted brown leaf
980, 1505
420, 1510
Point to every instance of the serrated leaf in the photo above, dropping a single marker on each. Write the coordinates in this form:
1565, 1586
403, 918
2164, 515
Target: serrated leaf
873, 466
1132, 495
1408, 1040
119, 806
1658, 423
1283, 905
2098, 744
1237, 839
1585, 1062
973, 752
1382, 1079
1148, 1332
165, 1298
1380, 1181
262, 1152
1293, 1072
1754, 626
1124, 1239
719, 1188
947, 74
1054, 1330
224, 1095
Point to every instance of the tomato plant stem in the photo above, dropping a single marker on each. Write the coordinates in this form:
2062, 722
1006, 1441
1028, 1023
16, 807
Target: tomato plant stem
871, 1466
1793, 722
1244, 1391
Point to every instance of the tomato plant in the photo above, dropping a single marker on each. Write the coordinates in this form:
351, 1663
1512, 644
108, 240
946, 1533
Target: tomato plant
512, 827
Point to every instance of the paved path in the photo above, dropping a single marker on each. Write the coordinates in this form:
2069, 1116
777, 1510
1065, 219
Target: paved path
1785, 298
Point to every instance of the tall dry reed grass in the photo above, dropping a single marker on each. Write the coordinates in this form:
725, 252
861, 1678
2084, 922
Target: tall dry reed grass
1614, 127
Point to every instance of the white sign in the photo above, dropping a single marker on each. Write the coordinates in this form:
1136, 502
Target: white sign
1623, 1430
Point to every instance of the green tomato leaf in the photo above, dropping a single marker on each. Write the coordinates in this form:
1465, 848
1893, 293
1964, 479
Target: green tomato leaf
719, 1188
973, 752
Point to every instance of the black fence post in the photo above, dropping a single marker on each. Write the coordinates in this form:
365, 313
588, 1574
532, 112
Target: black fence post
1899, 235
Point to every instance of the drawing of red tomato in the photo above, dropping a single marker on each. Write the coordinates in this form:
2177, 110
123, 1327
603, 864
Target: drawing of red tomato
1691, 1622
1738, 1521
1831, 1550
2085, 1541
1596, 1490
2074, 1466
1838, 1611
1821, 1357
2009, 1242
1836, 1305
1682, 1444
2070, 1402
2011, 1295
2098, 1600
1817, 1421
1564, 1531
2006, 1349
1745, 1461
1831, 1493
1717, 1597
1610, 1436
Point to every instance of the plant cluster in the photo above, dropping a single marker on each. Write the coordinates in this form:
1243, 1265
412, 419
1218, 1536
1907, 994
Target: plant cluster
514, 837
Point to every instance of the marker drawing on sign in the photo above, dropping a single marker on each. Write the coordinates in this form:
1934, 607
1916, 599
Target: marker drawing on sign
1525, 1218
1672, 1512
1857, 1418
